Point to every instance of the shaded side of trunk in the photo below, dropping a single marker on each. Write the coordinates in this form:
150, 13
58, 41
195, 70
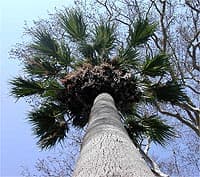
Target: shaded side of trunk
107, 150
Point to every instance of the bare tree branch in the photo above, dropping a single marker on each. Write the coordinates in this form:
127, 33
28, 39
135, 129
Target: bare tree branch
154, 167
180, 118
192, 6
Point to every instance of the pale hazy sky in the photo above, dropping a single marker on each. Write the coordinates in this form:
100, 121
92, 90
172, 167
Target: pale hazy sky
18, 146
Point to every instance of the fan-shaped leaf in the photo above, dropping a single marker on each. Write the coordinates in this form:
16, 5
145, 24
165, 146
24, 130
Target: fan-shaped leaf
72, 21
128, 59
22, 87
40, 68
27, 87
52, 88
88, 52
49, 124
139, 127
64, 55
141, 32
157, 130
156, 66
104, 38
44, 43
171, 91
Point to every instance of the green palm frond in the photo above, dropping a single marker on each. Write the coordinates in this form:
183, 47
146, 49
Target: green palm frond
156, 66
141, 32
158, 131
73, 23
44, 43
139, 127
64, 55
134, 127
88, 52
52, 88
40, 68
25, 87
104, 38
171, 91
128, 59
49, 124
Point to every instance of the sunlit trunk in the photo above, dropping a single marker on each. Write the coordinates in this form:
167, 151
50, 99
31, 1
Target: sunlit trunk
107, 150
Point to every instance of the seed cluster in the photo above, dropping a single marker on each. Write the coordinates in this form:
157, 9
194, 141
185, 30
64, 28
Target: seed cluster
84, 84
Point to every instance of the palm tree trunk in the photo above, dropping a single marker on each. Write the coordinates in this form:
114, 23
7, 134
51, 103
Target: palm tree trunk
107, 150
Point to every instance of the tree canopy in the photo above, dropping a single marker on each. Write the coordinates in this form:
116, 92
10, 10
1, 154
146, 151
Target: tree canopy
66, 70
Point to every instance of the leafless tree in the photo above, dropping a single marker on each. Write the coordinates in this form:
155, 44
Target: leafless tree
61, 163
184, 159
178, 34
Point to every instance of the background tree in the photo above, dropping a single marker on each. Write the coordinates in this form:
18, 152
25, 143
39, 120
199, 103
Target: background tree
61, 162
184, 159
177, 34
49, 59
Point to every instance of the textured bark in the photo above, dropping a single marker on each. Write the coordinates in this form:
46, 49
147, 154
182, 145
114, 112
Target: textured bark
107, 150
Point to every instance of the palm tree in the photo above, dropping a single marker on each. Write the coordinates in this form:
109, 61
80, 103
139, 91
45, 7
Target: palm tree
66, 73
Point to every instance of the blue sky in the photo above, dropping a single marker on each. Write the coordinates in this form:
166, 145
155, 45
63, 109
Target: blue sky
18, 146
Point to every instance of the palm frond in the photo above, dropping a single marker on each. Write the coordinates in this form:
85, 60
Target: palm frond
156, 66
25, 87
158, 131
73, 23
139, 127
40, 68
134, 127
64, 55
28, 87
49, 124
88, 52
52, 88
104, 38
128, 59
44, 43
171, 91
52, 60
141, 32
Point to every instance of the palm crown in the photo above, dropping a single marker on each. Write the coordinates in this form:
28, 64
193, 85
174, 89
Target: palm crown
67, 73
